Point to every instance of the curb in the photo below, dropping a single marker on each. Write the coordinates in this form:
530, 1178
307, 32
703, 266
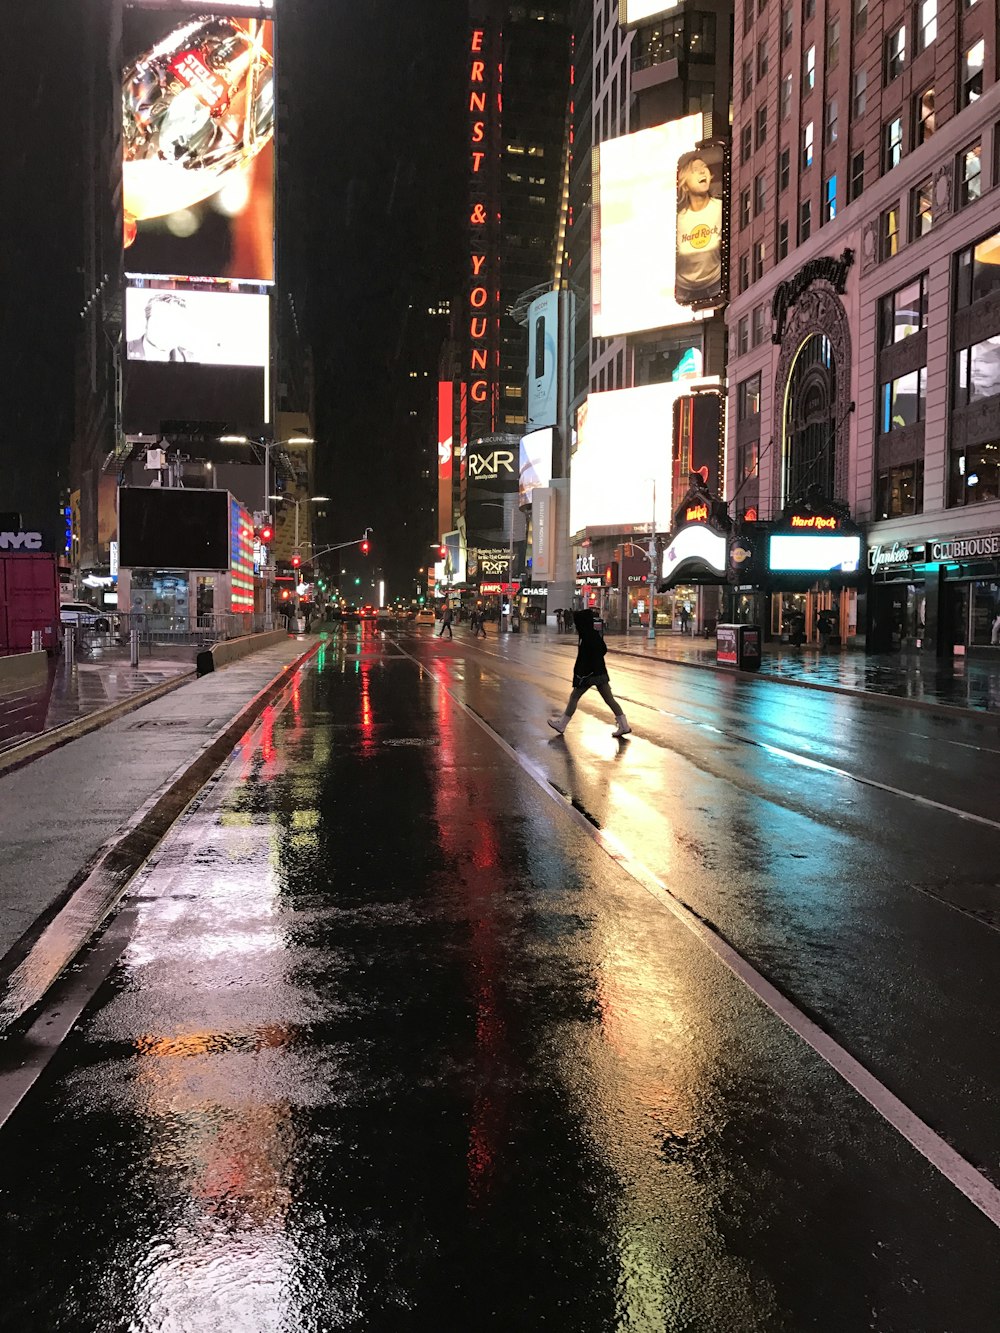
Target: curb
869, 697
46, 741
32, 965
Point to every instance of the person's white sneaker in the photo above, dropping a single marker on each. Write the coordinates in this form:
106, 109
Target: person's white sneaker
558, 724
623, 728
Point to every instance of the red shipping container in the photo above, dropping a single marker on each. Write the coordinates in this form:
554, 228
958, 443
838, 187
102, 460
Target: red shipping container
29, 600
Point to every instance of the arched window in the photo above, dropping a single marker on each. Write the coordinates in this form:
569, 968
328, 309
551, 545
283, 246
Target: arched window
809, 442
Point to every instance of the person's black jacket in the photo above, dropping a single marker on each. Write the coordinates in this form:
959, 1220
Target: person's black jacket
591, 652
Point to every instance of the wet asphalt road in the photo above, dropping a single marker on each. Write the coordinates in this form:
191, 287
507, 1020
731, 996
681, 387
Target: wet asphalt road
393, 1043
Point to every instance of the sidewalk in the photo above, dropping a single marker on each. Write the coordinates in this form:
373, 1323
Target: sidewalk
972, 683
94, 682
61, 813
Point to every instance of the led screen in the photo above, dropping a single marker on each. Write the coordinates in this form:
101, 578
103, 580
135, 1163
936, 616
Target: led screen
162, 528
658, 226
814, 554
198, 128
637, 11
214, 328
536, 462
543, 339
624, 446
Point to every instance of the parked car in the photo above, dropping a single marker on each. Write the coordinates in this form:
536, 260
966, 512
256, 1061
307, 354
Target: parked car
85, 616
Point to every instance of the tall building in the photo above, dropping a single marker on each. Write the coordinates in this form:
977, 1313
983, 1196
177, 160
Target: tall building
864, 390
653, 102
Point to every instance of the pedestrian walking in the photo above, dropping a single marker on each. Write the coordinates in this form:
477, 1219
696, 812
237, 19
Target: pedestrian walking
590, 670
685, 618
446, 621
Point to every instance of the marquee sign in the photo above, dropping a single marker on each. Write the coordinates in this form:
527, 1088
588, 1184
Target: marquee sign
786, 294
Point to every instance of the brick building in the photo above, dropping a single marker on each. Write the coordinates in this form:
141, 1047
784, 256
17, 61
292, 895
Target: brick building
864, 324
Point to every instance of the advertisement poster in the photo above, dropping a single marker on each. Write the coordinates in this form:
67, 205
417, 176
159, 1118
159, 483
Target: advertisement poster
698, 261
207, 328
198, 131
543, 338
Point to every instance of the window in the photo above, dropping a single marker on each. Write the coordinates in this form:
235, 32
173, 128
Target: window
784, 166
972, 73
900, 491
743, 336
832, 43
976, 475
758, 325
895, 53
830, 199
903, 401
761, 124
903, 312
787, 26
977, 371
968, 171
758, 260
746, 459
831, 121
761, 58
746, 143
759, 194
807, 145
744, 210
761, 6
748, 396
747, 17
926, 25
805, 220
782, 239
860, 16
809, 69
921, 208
977, 272
923, 116
892, 143
785, 98
857, 174
809, 8
859, 94
747, 77
744, 272
888, 232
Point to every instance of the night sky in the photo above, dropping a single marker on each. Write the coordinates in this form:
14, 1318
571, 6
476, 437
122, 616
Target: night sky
372, 184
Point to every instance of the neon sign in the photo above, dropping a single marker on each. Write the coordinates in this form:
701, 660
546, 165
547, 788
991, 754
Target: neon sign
815, 522
483, 357
696, 514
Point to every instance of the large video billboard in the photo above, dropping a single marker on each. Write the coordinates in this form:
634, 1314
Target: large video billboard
658, 227
163, 528
172, 322
624, 450
536, 462
638, 11
198, 129
543, 343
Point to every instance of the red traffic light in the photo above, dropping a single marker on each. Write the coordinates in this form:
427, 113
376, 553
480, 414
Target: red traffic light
296, 561
442, 551
365, 547
265, 533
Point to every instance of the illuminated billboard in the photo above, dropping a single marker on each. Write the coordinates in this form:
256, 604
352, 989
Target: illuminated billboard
446, 452
658, 229
198, 129
536, 462
624, 450
543, 341
637, 11
795, 553
207, 328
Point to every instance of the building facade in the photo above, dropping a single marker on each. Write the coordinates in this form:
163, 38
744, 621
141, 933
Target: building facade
864, 325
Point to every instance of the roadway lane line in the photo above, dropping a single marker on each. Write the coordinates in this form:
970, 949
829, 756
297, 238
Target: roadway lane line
959, 1172
804, 761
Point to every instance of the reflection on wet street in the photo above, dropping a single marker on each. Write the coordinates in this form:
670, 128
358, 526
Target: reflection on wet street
393, 1044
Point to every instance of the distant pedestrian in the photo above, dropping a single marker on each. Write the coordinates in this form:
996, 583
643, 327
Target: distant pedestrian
995, 636
477, 623
685, 617
590, 670
446, 621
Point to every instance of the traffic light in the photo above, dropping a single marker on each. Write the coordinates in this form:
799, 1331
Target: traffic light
265, 534
296, 560
442, 552
357, 583
366, 546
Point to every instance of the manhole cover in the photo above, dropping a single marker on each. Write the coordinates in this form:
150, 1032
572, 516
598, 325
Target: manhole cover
413, 741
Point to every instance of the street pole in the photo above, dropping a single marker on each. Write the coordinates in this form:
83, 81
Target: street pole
651, 634
510, 573
296, 525
268, 608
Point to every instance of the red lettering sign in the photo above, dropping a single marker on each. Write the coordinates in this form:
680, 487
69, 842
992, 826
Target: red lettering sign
814, 521
696, 514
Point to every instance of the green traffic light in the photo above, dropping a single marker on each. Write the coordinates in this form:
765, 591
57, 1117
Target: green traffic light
357, 583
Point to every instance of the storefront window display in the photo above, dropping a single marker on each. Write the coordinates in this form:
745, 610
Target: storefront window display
985, 612
162, 597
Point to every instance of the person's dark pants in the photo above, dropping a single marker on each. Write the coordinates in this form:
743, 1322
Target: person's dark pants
603, 688
442, 630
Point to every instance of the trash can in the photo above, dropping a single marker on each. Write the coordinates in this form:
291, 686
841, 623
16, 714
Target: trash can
738, 646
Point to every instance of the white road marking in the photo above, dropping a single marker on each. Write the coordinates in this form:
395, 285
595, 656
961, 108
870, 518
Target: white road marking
980, 1191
